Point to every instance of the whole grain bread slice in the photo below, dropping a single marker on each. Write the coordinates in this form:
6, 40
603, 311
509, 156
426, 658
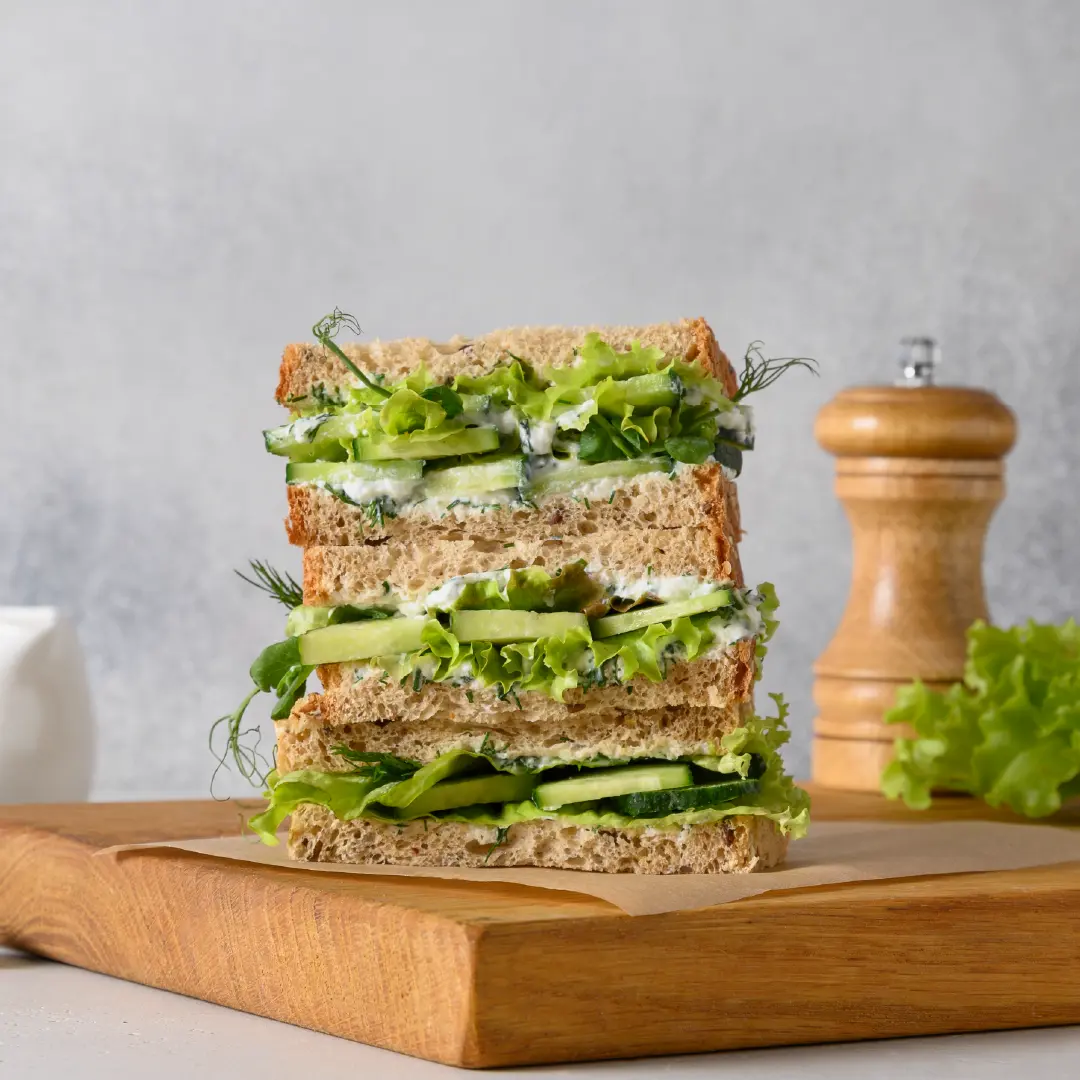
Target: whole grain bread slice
734, 845
307, 738
305, 367
698, 496
365, 695
365, 574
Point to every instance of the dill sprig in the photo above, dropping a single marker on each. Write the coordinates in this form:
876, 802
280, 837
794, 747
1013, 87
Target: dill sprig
241, 745
326, 329
501, 834
282, 587
759, 372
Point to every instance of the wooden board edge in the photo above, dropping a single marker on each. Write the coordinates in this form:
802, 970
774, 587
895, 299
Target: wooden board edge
880, 967
146, 918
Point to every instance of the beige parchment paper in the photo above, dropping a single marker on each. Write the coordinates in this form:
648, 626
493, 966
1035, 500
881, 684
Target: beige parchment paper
834, 852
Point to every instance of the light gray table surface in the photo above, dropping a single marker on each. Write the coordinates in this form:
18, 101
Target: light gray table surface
58, 1021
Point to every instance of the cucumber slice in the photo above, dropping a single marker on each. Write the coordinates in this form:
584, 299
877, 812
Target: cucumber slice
729, 455
302, 620
448, 794
563, 477
336, 473
611, 625
361, 640
503, 626
476, 479
641, 391
310, 436
608, 783
677, 800
420, 445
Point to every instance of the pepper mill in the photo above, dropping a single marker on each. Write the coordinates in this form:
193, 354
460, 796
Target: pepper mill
920, 471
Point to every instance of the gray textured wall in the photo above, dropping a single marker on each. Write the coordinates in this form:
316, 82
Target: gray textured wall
184, 187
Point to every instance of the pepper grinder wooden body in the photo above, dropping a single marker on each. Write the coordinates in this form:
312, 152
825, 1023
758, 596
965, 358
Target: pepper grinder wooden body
919, 471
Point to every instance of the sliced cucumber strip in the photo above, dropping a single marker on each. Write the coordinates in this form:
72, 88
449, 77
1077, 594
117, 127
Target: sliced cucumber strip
361, 640
611, 625
563, 477
420, 445
641, 391
729, 455
503, 626
476, 479
608, 783
678, 800
500, 788
308, 617
335, 473
310, 436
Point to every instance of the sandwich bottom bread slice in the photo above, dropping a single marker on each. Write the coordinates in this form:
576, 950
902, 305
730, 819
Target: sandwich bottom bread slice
739, 844
666, 790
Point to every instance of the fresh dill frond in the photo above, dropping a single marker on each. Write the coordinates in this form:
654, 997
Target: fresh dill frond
759, 372
282, 587
326, 329
377, 767
501, 833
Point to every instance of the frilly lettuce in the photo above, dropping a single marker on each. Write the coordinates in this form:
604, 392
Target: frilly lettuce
554, 665
368, 794
530, 588
1010, 733
586, 399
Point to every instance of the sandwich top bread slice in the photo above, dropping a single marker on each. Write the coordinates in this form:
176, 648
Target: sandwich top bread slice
535, 431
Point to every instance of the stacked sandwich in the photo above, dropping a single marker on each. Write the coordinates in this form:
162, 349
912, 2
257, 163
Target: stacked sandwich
523, 599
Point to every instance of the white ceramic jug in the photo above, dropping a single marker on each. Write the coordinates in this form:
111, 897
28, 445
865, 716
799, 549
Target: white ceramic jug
46, 722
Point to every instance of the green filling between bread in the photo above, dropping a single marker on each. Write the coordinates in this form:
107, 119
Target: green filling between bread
520, 426
380, 787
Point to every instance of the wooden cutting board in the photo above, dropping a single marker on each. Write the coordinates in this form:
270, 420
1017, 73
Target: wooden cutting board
482, 975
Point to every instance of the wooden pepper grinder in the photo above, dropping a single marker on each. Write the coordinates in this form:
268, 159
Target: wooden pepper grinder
920, 472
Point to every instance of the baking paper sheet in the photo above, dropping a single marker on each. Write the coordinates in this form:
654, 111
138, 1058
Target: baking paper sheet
834, 852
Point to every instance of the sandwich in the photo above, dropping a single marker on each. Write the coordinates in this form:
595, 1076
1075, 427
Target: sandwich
522, 599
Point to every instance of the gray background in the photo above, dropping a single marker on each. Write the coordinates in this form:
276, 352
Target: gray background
185, 187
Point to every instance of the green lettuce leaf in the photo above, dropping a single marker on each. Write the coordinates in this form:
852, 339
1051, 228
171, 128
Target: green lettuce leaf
406, 411
530, 588
1010, 733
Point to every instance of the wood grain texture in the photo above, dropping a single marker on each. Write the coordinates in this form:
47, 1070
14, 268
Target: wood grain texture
448, 971
919, 472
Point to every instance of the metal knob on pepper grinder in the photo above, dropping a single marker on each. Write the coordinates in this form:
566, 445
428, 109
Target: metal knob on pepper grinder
920, 471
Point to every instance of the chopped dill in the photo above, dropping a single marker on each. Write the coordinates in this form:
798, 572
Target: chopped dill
501, 833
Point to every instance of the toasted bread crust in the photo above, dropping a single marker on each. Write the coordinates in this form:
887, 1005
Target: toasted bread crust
317, 725
350, 575
304, 366
699, 497
360, 695
736, 845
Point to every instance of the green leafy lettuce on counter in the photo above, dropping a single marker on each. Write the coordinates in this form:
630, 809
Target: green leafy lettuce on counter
1010, 733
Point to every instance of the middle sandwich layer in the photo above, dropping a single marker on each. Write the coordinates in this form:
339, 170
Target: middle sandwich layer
535, 627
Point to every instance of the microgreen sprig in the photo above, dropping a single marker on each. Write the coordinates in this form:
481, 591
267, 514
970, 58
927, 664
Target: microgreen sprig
759, 372
326, 329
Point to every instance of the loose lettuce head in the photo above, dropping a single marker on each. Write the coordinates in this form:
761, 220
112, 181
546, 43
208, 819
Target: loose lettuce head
1010, 733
